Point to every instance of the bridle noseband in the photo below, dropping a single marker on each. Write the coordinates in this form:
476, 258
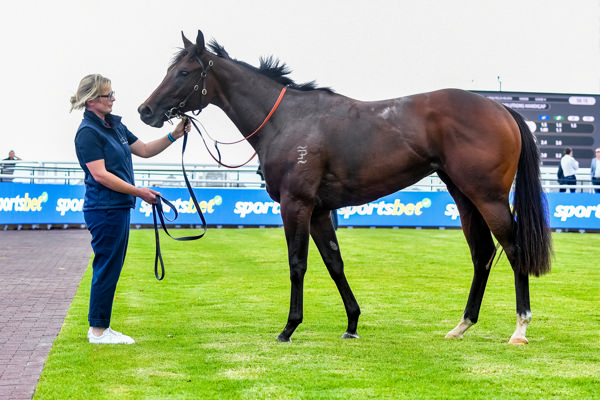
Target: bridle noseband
178, 110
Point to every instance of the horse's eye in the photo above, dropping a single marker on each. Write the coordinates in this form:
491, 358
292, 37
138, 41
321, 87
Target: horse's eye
184, 73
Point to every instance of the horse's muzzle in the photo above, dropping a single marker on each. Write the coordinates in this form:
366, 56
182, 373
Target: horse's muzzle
149, 117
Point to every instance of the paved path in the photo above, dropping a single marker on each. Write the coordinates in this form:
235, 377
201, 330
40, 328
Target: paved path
39, 274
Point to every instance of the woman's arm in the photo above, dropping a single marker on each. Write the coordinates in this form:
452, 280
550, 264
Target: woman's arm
101, 175
147, 150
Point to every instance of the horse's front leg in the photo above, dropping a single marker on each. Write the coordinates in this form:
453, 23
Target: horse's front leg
323, 233
296, 218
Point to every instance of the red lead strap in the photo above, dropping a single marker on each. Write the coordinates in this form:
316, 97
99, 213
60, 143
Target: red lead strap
275, 106
218, 159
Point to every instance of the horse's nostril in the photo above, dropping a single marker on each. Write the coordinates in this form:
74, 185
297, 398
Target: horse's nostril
145, 111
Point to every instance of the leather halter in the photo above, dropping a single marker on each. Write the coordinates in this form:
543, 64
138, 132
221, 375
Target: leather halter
178, 111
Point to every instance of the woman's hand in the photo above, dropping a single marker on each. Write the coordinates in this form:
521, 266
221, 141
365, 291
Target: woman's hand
148, 195
182, 128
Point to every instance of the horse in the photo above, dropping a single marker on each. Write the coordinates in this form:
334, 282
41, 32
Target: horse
320, 151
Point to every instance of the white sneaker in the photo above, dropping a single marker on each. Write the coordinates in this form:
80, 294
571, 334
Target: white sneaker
109, 337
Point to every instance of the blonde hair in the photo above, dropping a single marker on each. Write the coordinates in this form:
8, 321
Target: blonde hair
89, 88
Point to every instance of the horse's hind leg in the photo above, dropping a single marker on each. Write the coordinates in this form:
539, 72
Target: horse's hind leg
500, 221
523, 309
483, 251
323, 234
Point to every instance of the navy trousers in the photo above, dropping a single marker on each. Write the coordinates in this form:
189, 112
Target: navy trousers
568, 180
596, 181
110, 235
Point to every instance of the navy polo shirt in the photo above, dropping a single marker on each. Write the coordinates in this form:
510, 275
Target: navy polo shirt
108, 141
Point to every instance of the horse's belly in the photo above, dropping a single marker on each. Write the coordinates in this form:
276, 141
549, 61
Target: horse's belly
366, 187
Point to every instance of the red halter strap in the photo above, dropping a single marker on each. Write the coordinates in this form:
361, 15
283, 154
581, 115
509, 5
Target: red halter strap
264, 122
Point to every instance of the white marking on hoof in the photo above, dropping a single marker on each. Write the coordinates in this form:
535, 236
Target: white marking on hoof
519, 336
460, 329
514, 340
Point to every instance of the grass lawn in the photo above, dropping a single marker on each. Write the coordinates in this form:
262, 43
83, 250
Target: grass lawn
208, 330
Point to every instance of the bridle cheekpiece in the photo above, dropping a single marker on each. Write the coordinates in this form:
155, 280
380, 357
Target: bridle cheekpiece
178, 110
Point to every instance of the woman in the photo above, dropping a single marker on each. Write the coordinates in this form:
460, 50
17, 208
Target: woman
104, 147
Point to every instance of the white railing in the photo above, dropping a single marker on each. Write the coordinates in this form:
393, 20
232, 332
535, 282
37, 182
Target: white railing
203, 175
163, 175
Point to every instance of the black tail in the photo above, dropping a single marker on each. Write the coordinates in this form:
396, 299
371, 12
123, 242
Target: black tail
530, 208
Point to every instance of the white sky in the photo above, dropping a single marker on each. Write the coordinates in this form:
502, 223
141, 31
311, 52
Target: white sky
367, 50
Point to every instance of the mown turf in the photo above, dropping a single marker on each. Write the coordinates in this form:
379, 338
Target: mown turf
208, 330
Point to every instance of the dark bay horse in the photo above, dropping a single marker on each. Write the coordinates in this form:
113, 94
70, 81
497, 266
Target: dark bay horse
321, 151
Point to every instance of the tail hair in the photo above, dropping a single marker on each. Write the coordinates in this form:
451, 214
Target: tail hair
530, 208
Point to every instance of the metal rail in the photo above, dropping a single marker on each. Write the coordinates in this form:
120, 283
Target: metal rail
204, 175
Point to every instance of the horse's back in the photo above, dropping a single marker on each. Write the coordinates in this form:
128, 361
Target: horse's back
383, 146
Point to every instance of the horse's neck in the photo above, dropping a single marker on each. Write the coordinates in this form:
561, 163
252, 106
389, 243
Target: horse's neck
246, 98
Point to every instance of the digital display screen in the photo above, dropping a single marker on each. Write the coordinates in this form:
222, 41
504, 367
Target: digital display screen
557, 121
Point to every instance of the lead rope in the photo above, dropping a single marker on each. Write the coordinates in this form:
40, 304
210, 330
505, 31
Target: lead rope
157, 209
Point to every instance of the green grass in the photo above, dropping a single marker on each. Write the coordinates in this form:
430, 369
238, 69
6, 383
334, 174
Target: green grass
208, 330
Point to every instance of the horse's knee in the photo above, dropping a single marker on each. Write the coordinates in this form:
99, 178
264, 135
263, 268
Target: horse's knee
297, 274
298, 268
337, 274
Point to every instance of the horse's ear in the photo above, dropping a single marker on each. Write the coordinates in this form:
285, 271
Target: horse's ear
186, 42
200, 41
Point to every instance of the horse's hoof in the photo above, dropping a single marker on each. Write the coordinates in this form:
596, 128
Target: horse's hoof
284, 339
451, 335
349, 335
514, 340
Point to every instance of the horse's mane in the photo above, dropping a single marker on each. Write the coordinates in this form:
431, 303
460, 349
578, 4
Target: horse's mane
270, 67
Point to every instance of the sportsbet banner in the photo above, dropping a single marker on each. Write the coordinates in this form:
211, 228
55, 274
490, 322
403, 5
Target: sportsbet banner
62, 204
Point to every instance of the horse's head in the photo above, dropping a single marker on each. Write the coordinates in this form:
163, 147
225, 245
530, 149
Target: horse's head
183, 88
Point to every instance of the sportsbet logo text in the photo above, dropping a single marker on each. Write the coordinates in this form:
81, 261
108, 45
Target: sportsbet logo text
396, 208
23, 204
244, 208
564, 212
65, 205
